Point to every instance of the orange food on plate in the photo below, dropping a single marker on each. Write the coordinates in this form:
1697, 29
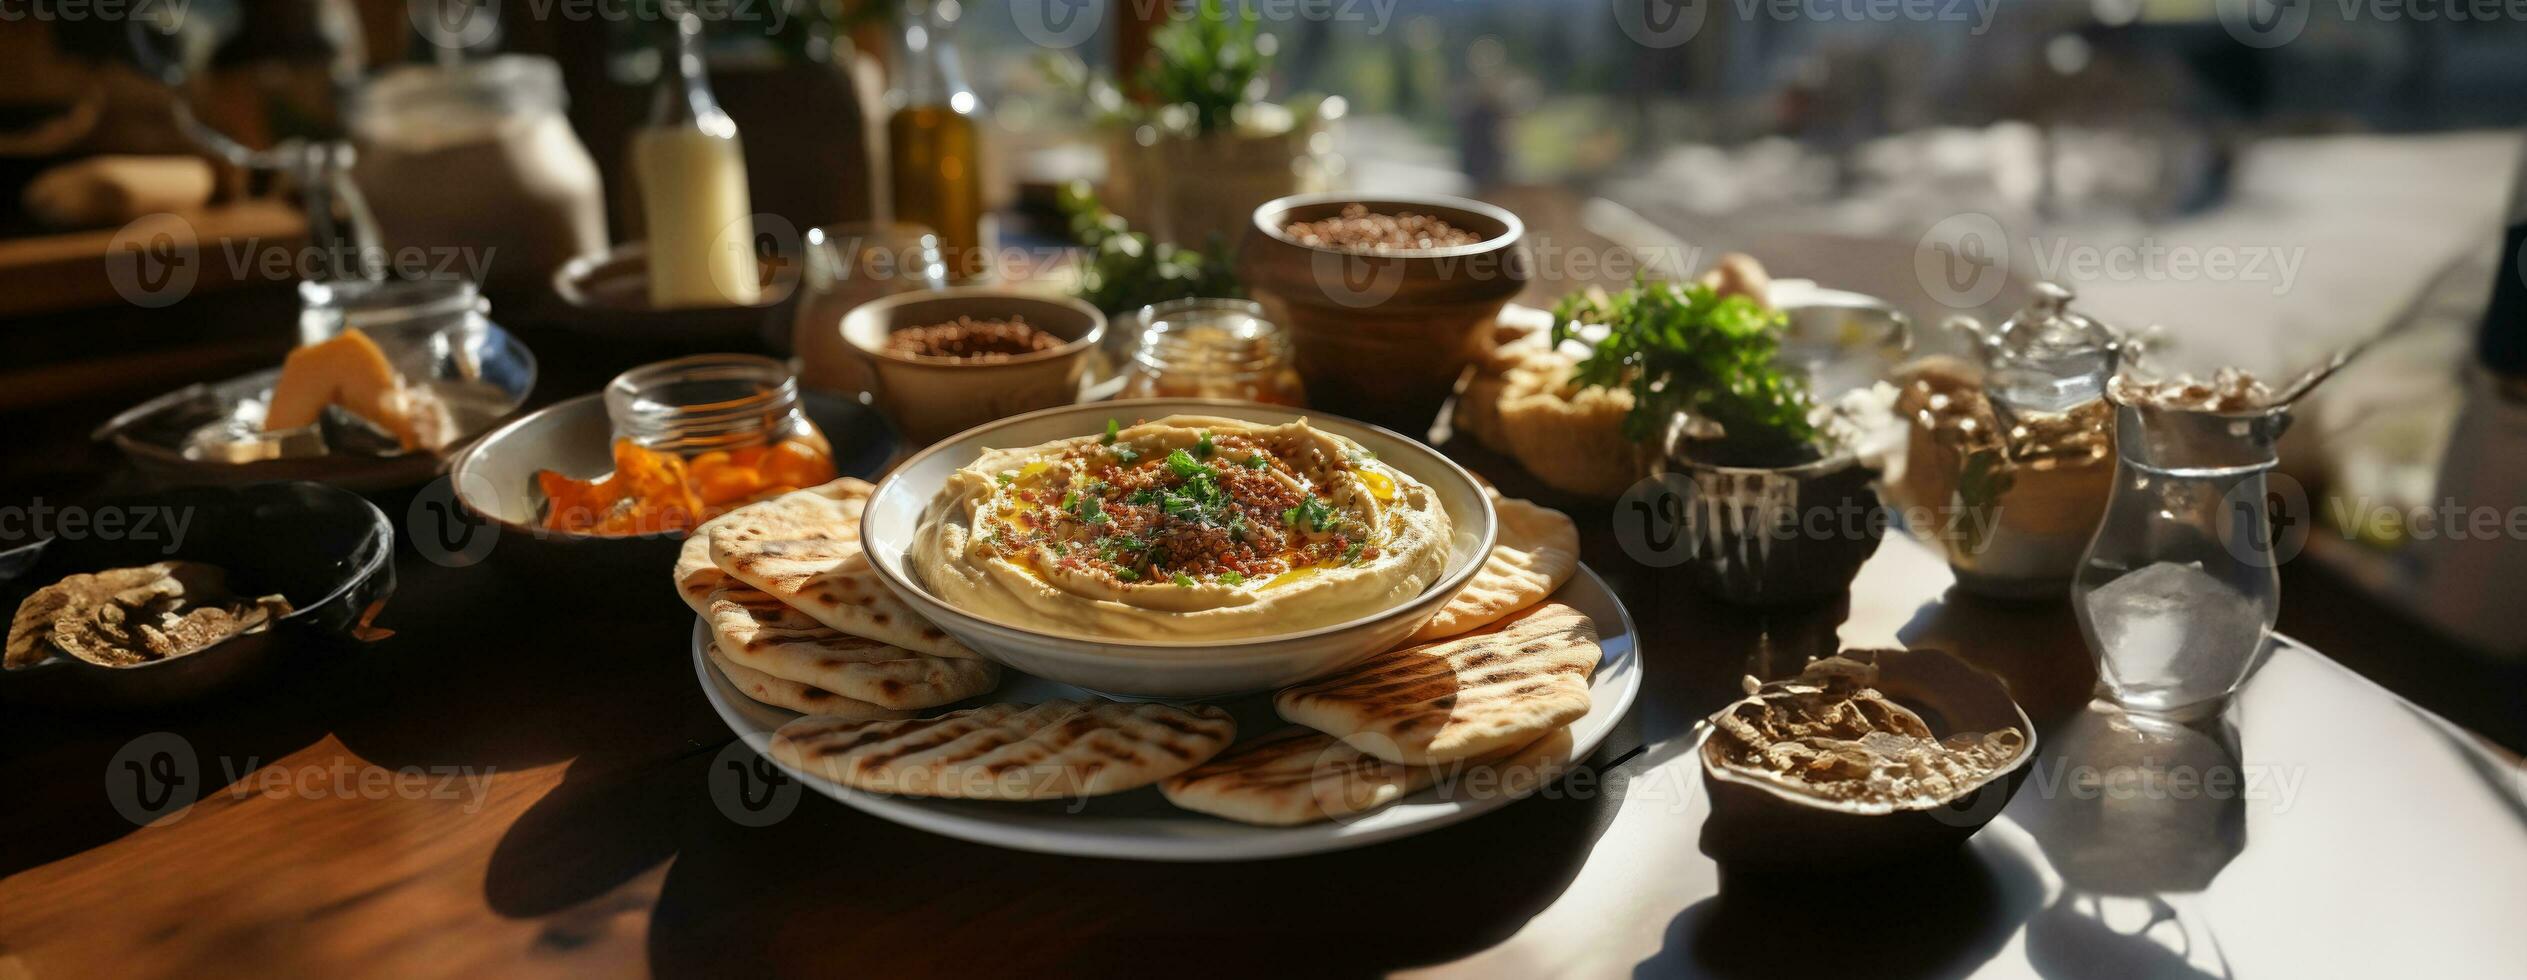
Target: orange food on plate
651, 492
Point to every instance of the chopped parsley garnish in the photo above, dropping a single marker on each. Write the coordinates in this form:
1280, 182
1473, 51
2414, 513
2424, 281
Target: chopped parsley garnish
1127, 575
1232, 578
1090, 508
1257, 462
1182, 464
1113, 429
1183, 579
1312, 514
1007, 479
1202, 447
1352, 554
1126, 455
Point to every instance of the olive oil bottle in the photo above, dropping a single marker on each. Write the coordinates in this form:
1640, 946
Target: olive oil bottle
934, 139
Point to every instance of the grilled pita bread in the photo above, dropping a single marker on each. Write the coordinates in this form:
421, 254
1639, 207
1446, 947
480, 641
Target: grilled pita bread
697, 577
804, 549
1046, 751
1537, 551
1293, 776
795, 696
1460, 698
1298, 775
757, 631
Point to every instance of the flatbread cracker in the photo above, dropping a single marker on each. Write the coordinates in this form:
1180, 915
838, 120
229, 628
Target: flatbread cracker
1053, 750
1293, 776
1503, 686
1537, 550
794, 696
697, 577
804, 549
758, 631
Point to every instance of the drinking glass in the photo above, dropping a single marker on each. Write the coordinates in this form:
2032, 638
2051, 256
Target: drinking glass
848, 265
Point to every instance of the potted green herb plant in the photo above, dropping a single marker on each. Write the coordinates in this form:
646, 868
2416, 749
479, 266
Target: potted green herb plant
1774, 502
1209, 147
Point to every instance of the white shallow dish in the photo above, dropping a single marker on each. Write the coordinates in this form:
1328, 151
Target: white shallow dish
1141, 824
1158, 669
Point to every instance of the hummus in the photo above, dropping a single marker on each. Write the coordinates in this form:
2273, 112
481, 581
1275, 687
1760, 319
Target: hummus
1186, 528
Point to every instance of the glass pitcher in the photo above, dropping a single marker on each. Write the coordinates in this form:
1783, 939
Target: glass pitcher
2178, 591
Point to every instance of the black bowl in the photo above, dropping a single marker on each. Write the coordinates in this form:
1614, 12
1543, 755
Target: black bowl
326, 550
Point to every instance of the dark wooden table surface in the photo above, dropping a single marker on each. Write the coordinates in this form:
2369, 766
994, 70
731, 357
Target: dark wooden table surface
521, 780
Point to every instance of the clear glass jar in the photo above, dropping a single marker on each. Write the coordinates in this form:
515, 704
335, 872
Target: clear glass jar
477, 162
2179, 590
1213, 348
733, 420
848, 265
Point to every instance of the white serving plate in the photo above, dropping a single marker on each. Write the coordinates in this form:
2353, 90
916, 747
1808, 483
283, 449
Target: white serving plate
1141, 824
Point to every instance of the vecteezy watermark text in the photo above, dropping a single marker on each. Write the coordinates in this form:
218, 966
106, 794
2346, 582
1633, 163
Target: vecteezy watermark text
156, 779
164, 525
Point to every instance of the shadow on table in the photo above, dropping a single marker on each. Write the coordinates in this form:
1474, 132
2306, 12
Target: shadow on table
2034, 646
1941, 916
493, 668
67, 769
829, 888
2138, 816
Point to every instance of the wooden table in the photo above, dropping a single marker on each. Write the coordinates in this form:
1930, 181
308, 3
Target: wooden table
565, 824
520, 780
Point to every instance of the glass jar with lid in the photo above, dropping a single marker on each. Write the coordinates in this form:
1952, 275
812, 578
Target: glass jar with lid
1213, 348
729, 424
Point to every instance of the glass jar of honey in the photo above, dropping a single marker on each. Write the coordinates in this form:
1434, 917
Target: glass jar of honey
1213, 348
694, 438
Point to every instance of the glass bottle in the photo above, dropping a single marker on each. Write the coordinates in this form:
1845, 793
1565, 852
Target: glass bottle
2179, 590
934, 139
692, 174
1213, 348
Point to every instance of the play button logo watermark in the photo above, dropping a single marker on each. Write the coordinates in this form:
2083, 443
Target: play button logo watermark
1057, 23
2263, 23
1660, 23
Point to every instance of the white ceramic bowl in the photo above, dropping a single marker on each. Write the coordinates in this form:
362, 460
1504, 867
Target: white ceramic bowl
1152, 669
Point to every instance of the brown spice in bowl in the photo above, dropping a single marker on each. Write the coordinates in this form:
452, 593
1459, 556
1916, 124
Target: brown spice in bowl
1359, 230
968, 339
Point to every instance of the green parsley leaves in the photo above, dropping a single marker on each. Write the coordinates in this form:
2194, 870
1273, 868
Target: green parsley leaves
1312, 514
1113, 429
1683, 349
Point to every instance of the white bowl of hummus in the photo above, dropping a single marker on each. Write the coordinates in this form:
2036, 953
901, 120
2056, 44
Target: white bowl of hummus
1178, 548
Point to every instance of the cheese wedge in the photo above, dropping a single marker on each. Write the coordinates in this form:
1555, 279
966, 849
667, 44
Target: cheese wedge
349, 370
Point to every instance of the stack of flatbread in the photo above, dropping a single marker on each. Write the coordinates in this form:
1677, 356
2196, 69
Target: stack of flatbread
800, 621
1479, 702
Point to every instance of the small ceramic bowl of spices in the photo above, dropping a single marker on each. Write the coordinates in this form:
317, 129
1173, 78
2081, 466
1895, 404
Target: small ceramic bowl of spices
949, 360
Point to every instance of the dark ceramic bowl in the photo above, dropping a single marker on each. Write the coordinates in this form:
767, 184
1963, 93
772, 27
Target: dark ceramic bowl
1382, 337
607, 296
326, 550
495, 479
1757, 824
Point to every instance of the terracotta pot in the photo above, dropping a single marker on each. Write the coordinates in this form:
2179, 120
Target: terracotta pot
1383, 337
